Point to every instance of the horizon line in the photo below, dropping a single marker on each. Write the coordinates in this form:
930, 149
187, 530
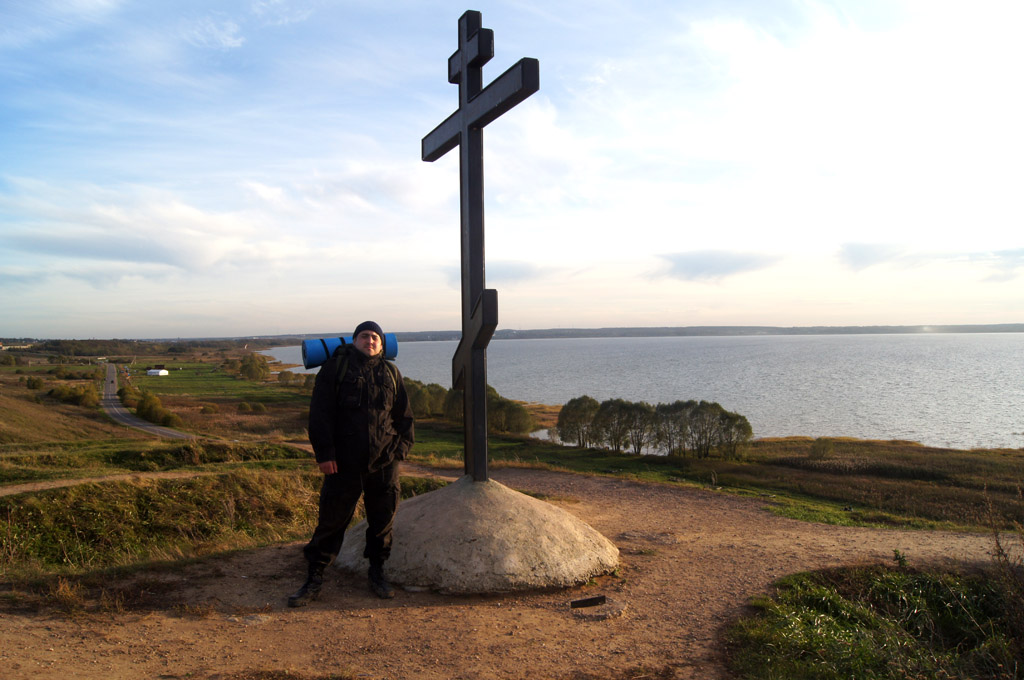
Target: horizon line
606, 331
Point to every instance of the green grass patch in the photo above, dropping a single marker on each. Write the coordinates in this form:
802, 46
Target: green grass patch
881, 622
210, 381
97, 526
70, 460
811, 509
437, 444
858, 482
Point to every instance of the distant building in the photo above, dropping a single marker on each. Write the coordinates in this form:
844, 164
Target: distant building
157, 371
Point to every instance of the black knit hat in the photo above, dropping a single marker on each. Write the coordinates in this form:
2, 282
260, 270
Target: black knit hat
368, 326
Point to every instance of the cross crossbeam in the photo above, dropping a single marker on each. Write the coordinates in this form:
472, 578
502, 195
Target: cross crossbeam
478, 106
499, 97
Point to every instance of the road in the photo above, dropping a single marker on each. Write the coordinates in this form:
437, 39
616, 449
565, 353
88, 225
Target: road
113, 408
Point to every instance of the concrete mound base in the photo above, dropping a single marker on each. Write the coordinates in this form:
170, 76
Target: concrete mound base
482, 537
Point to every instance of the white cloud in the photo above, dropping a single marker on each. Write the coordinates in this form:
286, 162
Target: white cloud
714, 265
859, 256
670, 147
215, 33
1008, 265
40, 21
283, 12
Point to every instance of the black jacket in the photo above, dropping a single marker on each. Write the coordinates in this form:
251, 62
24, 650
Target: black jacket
362, 420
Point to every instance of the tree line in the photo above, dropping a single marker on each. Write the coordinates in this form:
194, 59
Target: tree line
697, 428
128, 348
434, 401
428, 400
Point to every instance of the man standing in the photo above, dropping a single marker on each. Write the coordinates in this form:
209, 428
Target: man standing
360, 426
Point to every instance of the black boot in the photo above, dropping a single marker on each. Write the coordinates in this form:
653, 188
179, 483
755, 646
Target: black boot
378, 586
310, 590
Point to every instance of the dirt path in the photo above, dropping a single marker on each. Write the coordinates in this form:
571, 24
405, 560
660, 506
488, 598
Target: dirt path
691, 559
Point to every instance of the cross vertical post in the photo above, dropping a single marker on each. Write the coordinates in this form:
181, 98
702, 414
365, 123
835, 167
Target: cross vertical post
478, 106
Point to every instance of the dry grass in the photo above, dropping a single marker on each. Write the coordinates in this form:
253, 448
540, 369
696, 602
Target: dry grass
220, 417
68, 595
23, 416
946, 485
545, 415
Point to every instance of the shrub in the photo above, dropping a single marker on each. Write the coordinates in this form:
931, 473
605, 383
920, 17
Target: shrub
149, 408
505, 415
879, 622
171, 419
822, 448
81, 395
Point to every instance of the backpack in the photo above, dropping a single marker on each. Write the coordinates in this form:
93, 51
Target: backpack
341, 353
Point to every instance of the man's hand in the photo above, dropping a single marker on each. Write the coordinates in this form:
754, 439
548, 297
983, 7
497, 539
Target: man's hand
328, 467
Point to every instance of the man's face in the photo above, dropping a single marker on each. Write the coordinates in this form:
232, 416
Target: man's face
368, 343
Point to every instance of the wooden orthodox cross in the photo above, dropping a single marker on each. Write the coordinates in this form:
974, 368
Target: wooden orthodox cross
478, 106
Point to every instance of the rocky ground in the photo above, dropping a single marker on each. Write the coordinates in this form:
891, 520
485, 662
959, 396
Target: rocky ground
690, 561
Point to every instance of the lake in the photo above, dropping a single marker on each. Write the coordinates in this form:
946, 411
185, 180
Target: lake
960, 390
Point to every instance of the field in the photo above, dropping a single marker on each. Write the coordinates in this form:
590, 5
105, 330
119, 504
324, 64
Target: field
246, 484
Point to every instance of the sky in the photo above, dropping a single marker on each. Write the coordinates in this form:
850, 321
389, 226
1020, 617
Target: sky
188, 168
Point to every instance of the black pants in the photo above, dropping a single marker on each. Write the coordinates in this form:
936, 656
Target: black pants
339, 495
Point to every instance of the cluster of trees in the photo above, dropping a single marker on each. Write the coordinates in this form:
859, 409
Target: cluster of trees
434, 401
297, 379
10, 360
430, 400
64, 373
698, 428
503, 415
254, 367
149, 407
82, 395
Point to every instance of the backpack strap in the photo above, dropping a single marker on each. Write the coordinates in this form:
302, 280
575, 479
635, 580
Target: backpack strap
341, 354
392, 372
341, 369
